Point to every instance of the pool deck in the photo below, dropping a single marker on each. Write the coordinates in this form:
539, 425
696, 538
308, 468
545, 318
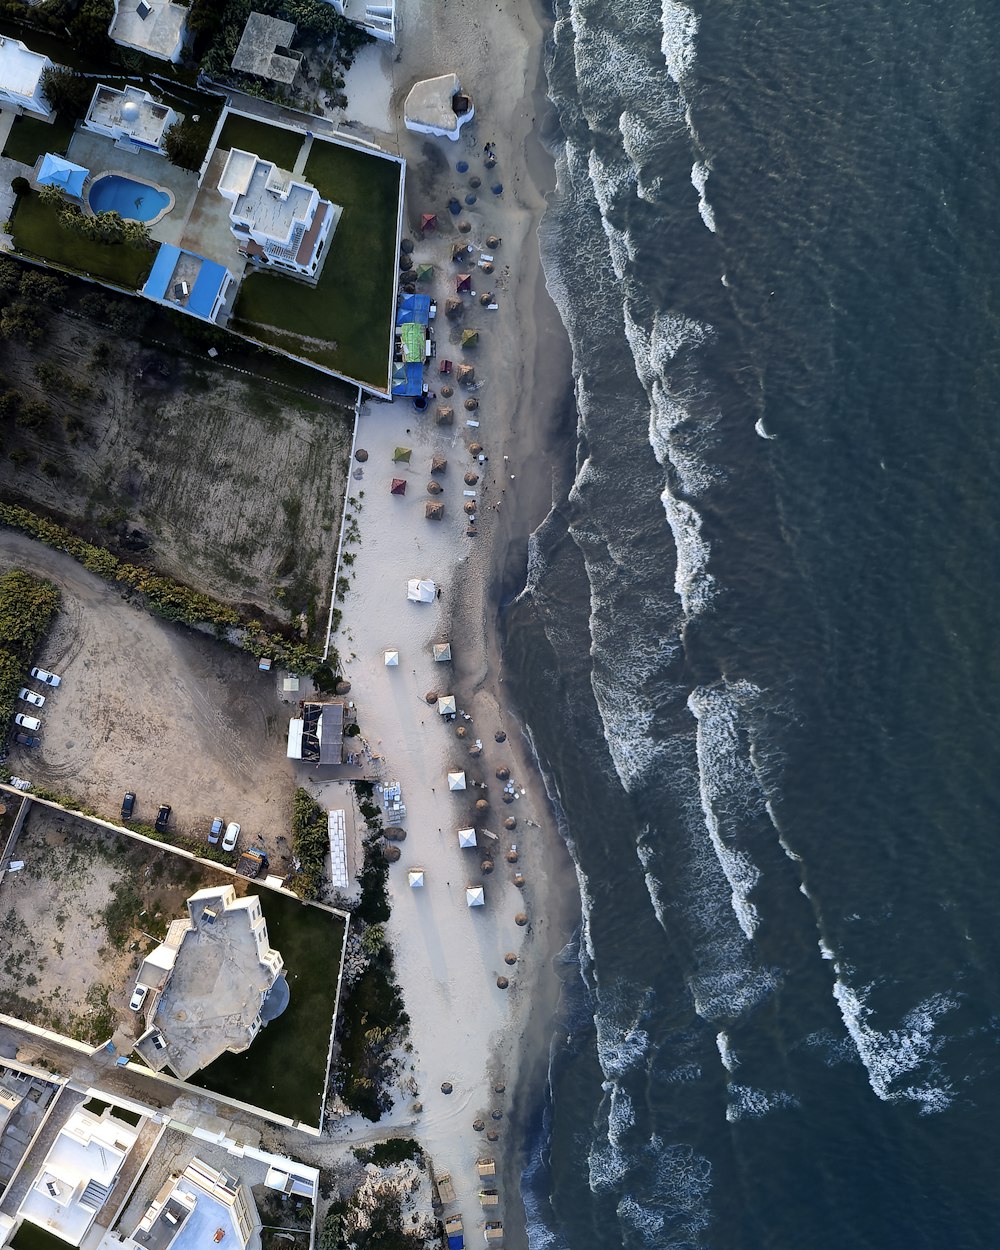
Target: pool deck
100, 154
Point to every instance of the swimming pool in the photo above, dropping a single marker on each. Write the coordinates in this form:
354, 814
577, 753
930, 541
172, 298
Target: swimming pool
136, 201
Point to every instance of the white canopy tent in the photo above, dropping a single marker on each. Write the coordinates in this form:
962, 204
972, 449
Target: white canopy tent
475, 896
420, 590
456, 781
416, 878
447, 705
391, 659
467, 838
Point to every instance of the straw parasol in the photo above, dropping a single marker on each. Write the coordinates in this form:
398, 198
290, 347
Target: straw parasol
431, 696
434, 488
487, 266
466, 374
406, 245
502, 984
395, 833
445, 415
464, 227
492, 1135
508, 797
343, 686
496, 1114
482, 805
510, 958
512, 856
361, 455
446, 1087
471, 478
499, 1088
472, 403
433, 510
475, 448
486, 867
453, 306
493, 240
503, 772
500, 736
461, 731
479, 1125
519, 880
486, 298
391, 853
460, 251
490, 160
439, 464
447, 391
510, 823
475, 182
475, 749
470, 506
521, 919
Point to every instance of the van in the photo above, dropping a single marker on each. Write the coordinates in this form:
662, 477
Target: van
27, 722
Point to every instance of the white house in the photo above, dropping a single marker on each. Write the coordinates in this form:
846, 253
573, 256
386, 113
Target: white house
131, 116
279, 219
21, 73
200, 1206
438, 106
156, 27
377, 19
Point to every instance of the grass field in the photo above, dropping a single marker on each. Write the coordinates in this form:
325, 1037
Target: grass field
345, 321
29, 138
37, 232
270, 143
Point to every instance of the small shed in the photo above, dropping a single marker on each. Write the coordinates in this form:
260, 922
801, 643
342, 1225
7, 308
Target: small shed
486, 1168
489, 1198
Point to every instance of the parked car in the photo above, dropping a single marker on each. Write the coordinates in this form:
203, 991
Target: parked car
215, 833
128, 805
26, 740
138, 997
43, 675
29, 696
162, 816
27, 722
232, 836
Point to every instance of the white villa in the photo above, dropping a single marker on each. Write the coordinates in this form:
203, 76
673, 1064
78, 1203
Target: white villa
78, 1174
21, 73
192, 1209
131, 116
156, 27
378, 19
278, 218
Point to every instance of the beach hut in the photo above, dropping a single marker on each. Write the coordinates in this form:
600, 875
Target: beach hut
453, 306
428, 221
391, 659
490, 1197
467, 839
420, 590
416, 878
398, 486
466, 374
446, 705
494, 1232
402, 455
433, 510
486, 1168
453, 1231
463, 283
475, 896
456, 781
439, 464
470, 338
441, 651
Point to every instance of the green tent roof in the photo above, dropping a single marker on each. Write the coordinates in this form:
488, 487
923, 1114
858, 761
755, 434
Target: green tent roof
412, 336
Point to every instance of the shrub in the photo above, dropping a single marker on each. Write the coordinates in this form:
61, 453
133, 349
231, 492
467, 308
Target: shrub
20, 186
69, 93
27, 606
310, 836
184, 146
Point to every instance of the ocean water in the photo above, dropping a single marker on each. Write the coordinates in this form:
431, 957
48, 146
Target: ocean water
759, 645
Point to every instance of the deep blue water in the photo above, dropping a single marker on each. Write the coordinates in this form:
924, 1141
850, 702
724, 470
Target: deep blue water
758, 650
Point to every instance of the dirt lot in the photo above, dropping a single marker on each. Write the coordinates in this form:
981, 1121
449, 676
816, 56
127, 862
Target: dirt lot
156, 708
232, 484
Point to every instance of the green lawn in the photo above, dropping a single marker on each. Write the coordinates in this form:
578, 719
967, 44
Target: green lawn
37, 232
270, 143
350, 309
29, 138
284, 1070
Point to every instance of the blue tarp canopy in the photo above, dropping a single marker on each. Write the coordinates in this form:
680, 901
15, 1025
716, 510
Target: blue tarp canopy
408, 379
56, 171
204, 292
413, 308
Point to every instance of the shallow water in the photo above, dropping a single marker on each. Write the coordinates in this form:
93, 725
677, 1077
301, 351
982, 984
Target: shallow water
757, 646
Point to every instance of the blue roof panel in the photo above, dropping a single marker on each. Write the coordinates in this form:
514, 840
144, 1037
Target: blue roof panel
206, 288
159, 275
414, 308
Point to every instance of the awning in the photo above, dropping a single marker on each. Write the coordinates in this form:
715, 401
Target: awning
475, 896
420, 590
456, 781
446, 705
467, 838
391, 659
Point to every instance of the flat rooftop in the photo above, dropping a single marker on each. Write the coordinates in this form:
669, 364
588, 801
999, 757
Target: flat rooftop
131, 110
272, 200
265, 49
20, 68
154, 26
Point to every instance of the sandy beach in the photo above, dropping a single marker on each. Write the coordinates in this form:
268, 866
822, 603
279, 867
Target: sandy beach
487, 1043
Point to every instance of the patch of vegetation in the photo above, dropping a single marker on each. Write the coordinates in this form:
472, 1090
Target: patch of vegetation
30, 137
385, 1153
27, 606
350, 308
310, 838
121, 915
270, 143
39, 231
67, 92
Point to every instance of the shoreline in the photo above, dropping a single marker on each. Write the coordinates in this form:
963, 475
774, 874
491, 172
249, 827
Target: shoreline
446, 954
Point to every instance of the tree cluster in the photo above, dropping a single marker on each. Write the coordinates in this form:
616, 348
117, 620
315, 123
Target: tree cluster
108, 227
310, 838
27, 606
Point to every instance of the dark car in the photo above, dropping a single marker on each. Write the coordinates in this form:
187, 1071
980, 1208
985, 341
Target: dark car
128, 806
215, 833
26, 740
162, 816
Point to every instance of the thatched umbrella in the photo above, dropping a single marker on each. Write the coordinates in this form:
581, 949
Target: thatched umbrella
470, 506
465, 375
447, 391
472, 403
508, 797
464, 227
510, 823
503, 772
439, 464
453, 306
479, 1125
475, 183
487, 266
512, 856
395, 833
486, 867
500, 736
406, 245
405, 263
460, 251
445, 415
361, 455
519, 880
490, 160
499, 1088
510, 958
486, 298
431, 696
475, 448
433, 510
446, 1087
461, 731
493, 240
502, 983
434, 488
475, 750
492, 1135
521, 919
471, 478
391, 853
343, 686
482, 805
496, 1114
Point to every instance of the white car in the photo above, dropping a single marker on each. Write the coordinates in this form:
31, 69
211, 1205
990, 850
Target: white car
138, 997
43, 675
27, 722
232, 836
29, 696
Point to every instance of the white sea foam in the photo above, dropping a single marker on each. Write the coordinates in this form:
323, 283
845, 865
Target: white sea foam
621, 1115
643, 1219
726, 1054
693, 584
680, 27
607, 1166
759, 427
699, 178
746, 1103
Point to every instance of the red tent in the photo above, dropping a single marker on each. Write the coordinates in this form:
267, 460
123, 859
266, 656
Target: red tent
429, 221
398, 486
463, 283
